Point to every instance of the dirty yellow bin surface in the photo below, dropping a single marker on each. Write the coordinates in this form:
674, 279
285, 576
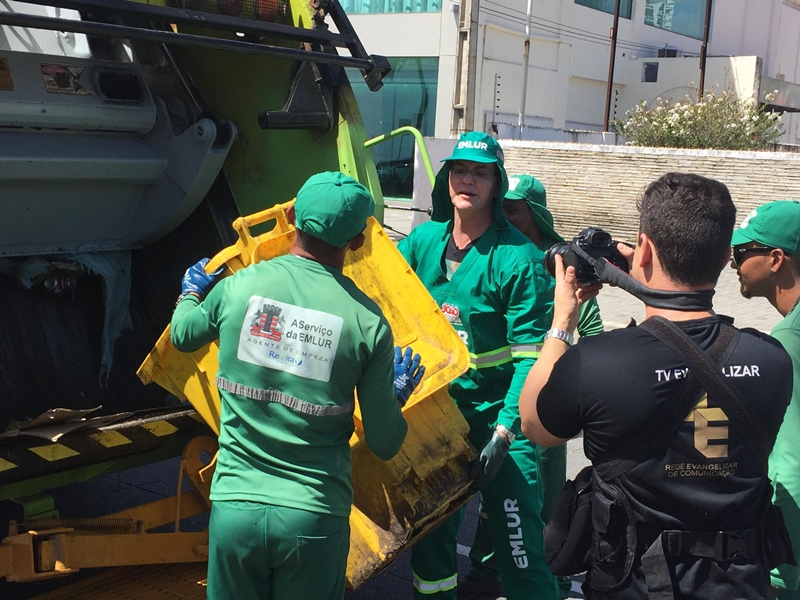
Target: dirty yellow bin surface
396, 501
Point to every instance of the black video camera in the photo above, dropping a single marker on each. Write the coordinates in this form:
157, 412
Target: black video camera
592, 242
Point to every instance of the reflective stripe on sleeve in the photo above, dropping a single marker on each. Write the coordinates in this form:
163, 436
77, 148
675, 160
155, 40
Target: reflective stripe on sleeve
273, 395
495, 358
434, 587
526, 351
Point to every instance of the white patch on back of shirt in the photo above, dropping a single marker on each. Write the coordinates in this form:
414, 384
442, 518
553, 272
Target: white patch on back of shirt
281, 336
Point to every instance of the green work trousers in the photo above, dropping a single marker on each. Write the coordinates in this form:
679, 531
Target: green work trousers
512, 502
788, 594
554, 475
266, 552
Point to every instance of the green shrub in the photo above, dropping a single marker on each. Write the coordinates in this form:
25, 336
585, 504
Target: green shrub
720, 121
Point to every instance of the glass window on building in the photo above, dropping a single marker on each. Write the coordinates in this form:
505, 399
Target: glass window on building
408, 97
686, 17
608, 6
650, 72
364, 7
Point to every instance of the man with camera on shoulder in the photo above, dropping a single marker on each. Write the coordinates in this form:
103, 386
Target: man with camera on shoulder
680, 500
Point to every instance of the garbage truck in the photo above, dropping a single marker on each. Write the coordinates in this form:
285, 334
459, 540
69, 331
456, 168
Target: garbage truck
137, 137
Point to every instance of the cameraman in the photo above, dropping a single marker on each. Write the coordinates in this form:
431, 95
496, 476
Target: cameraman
615, 385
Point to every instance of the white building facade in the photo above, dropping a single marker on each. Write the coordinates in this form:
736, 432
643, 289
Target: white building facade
473, 50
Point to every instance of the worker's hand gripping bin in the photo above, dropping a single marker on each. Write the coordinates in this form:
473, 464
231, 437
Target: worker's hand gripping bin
397, 501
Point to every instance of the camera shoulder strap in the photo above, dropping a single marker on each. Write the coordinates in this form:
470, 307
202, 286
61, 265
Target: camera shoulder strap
673, 300
726, 395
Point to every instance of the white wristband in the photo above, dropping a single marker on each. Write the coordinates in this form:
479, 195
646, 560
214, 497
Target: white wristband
561, 334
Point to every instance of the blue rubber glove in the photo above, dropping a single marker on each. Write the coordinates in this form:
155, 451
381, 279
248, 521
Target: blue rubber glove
407, 373
485, 467
197, 281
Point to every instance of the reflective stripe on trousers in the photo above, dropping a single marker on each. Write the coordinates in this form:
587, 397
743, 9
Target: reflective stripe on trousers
433, 587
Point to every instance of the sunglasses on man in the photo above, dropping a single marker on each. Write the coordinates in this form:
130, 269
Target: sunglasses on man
740, 253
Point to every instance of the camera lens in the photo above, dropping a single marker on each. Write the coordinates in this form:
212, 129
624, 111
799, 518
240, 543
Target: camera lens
550, 256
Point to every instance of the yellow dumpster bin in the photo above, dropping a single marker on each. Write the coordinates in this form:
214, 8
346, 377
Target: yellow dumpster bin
397, 501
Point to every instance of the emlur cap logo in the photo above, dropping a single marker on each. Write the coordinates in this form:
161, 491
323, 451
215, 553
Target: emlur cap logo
475, 145
746, 222
513, 182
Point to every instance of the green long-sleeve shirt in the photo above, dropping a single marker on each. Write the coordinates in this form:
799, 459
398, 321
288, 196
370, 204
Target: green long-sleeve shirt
296, 338
784, 461
500, 301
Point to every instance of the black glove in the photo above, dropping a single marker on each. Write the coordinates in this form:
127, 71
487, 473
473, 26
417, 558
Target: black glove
485, 467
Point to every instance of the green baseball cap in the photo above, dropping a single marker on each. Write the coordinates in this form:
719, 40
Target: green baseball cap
774, 224
482, 148
333, 207
478, 147
531, 190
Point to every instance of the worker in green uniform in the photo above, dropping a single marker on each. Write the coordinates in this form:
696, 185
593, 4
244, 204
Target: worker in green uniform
525, 206
492, 285
296, 338
766, 256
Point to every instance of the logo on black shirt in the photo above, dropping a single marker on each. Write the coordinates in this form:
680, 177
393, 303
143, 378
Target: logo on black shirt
710, 435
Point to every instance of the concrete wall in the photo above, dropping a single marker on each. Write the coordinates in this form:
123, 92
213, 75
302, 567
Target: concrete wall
599, 185
769, 29
596, 185
380, 36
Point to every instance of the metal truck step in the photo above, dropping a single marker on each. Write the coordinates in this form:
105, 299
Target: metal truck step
24, 459
159, 582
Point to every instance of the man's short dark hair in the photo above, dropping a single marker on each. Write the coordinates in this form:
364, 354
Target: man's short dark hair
690, 220
315, 245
